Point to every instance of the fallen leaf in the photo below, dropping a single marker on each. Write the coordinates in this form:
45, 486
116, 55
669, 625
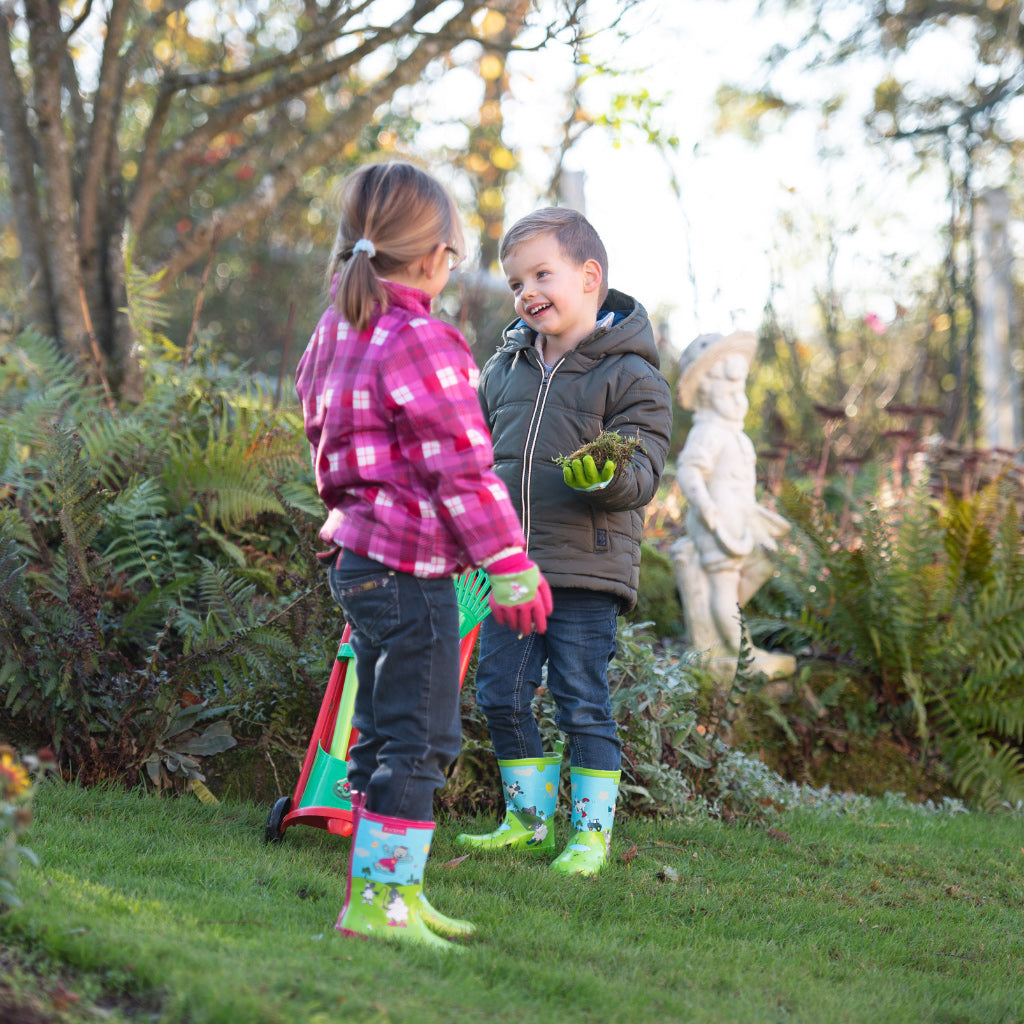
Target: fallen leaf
62, 999
667, 873
456, 862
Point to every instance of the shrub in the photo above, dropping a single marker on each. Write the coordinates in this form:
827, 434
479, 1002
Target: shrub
922, 601
156, 561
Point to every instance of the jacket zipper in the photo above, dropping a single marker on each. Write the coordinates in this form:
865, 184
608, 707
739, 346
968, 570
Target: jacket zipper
532, 435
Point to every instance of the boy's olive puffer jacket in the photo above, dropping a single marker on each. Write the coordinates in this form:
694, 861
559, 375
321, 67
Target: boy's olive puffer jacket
610, 381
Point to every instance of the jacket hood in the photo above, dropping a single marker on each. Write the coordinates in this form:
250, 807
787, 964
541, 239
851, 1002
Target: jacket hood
629, 332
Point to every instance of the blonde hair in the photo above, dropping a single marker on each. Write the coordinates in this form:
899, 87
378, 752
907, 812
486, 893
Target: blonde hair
404, 213
575, 235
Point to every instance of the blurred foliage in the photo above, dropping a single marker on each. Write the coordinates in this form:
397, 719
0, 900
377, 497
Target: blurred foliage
20, 778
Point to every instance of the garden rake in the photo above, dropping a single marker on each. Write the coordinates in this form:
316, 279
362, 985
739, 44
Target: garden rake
322, 795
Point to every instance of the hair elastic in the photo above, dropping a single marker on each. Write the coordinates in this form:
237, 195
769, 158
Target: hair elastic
365, 245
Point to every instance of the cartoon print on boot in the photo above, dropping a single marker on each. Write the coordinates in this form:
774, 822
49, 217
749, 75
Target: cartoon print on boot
540, 832
369, 891
398, 855
530, 818
396, 910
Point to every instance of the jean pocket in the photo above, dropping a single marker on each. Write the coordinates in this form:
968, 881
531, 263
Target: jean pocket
369, 601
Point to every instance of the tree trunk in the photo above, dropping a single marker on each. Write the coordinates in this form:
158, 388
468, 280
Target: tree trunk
27, 215
46, 48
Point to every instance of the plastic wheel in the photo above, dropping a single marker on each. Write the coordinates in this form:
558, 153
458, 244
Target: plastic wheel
274, 833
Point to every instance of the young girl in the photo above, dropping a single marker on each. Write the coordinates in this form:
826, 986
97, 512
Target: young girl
403, 463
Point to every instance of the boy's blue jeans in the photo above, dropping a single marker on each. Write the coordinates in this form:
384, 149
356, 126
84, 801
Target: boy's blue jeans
405, 635
578, 645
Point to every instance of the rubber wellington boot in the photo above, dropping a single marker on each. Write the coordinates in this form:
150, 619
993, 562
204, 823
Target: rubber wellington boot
442, 924
530, 785
385, 881
593, 811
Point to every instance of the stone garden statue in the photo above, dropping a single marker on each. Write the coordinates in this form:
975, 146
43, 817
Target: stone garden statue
725, 554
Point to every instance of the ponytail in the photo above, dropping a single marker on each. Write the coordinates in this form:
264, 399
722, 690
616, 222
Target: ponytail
391, 214
360, 291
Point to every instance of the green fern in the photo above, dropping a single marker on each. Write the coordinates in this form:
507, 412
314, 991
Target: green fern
139, 542
147, 310
928, 604
146, 552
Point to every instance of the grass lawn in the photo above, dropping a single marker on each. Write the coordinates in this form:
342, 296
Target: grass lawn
173, 911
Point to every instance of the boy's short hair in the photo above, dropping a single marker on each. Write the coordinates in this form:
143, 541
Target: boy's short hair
575, 235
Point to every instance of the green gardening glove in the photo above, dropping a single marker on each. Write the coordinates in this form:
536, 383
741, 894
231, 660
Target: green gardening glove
582, 474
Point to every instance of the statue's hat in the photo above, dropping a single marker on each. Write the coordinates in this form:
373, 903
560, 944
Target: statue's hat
702, 353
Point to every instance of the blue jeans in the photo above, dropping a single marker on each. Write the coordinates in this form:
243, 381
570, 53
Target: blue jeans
405, 635
578, 645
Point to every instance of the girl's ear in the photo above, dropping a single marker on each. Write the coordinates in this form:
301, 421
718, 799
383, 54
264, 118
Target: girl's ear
591, 276
435, 260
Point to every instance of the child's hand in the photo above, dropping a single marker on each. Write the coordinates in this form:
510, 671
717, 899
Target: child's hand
582, 474
520, 597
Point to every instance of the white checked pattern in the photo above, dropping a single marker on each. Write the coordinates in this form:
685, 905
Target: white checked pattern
366, 455
447, 377
435, 567
455, 505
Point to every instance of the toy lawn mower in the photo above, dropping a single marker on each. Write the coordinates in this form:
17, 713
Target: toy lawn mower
323, 795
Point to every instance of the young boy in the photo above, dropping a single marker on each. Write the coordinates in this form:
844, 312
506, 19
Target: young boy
579, 359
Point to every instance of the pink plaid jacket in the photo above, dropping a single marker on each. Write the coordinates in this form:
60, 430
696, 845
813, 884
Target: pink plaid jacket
403, 459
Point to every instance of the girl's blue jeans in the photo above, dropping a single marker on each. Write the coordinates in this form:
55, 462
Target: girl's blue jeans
405, 636
579, 643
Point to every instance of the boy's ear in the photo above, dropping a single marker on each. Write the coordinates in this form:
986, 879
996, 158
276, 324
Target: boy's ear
591, 276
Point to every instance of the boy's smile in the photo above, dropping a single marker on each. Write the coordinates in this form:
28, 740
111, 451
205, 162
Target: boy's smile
555, 297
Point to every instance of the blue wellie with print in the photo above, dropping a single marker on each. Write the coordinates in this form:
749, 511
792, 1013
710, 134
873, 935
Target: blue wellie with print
530, 785
594, 794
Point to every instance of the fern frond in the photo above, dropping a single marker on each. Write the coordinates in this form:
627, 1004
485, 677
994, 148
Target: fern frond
985, 771
13, 599
33, 362
77, 496
1003, 717
140, 545
226, 599
302, 495
40, 385
224, 476
147, 310
120, 447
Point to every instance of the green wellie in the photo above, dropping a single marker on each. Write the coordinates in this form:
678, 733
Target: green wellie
593, 812
385, 882
442, 924
530, 785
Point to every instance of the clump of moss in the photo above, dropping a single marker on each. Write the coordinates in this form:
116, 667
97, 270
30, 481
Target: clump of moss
609, 444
